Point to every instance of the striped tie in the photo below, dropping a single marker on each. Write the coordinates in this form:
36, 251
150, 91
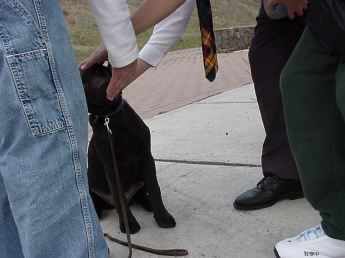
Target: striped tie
208, 40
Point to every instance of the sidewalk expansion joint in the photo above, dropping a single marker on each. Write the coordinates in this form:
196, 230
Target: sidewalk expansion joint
210, 163
225, 102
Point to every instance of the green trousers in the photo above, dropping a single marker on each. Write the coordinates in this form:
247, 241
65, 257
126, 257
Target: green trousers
313, 90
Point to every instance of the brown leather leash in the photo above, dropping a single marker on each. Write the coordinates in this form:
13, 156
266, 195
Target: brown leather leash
167, 252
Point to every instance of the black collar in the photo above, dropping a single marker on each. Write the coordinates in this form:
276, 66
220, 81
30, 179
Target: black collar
110, 114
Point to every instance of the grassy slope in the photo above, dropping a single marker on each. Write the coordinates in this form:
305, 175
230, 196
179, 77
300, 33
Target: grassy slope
85, 37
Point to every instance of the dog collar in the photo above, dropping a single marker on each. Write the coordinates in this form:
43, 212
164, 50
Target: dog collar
110, 114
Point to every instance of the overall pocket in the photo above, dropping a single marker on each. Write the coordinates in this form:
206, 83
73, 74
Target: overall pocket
25, 47
37, 92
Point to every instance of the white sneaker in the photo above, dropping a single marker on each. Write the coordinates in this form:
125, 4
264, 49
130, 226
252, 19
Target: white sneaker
311, 243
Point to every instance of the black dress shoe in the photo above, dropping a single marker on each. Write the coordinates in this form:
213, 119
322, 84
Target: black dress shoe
268, 191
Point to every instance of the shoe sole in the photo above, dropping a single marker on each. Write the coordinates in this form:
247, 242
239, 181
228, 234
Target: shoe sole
291, 196
276, 253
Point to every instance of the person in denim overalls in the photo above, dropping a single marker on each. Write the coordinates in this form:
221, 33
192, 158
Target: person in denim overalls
45, 208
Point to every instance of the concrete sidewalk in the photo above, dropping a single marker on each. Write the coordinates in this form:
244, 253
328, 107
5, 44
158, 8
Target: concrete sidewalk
207, 153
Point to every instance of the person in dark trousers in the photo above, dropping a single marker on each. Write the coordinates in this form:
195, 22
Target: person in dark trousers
313, 91
270, 49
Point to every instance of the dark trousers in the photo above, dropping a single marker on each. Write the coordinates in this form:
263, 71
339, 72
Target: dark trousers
271, 47
313, 90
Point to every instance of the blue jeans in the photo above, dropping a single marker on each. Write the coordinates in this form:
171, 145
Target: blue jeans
45, 208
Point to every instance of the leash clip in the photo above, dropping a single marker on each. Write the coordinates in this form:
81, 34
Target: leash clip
106, 123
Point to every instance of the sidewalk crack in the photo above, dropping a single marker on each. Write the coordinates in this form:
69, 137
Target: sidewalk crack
215, 163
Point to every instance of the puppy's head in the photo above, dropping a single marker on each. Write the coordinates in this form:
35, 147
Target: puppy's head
96, 80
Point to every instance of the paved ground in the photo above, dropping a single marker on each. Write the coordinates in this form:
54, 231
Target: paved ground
179, 80
206, 140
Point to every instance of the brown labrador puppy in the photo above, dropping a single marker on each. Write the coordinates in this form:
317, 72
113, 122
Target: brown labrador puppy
131, 138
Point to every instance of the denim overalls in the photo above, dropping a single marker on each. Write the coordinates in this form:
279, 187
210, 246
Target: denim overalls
45, 208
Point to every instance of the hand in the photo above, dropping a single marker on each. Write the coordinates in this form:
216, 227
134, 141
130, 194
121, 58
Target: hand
120, 79
100, 55
293, 6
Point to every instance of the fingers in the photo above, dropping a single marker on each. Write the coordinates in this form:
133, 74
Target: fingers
291, 14
87, 63
121, 78
100, 55
115, 86
293, 6
302, 8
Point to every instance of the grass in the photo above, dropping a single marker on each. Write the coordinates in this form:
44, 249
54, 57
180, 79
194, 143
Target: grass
85, 36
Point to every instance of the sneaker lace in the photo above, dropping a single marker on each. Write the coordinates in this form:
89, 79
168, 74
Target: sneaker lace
311, 234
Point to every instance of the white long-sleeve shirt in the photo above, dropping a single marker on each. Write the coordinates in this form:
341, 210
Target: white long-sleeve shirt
113, 21
167, 33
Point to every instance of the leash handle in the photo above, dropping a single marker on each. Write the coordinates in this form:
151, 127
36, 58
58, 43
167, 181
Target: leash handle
166, 252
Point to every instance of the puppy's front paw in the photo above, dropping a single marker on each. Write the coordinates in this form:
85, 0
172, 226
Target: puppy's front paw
165, 220
134, 226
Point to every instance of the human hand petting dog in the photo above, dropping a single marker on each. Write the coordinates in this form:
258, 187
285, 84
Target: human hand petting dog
121, 77
148, 14
293, 6
100, 55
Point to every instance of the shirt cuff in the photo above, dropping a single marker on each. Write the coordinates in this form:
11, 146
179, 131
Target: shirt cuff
151, 55
116, 61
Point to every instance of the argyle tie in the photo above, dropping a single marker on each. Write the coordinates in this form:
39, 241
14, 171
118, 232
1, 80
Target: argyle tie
208, 40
